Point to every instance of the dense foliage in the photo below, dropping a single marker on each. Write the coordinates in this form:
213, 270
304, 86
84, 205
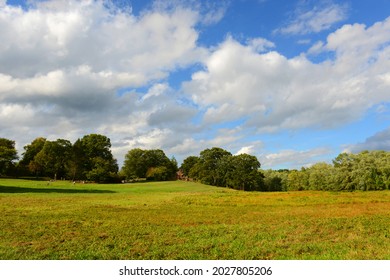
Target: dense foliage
149, 164
89, 158
8, 155
368, 170
218, 167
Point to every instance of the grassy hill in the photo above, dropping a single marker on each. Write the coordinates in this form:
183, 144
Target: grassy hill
185, 220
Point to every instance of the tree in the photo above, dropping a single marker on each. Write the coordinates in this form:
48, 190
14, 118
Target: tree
77, 163
344, 164
8, 155
244, 173
275, 180
92, 159
297, 180
210, 166
160, 173
383, 169
218, 167
151, 164
135, 165
53, 158
27, 165
188, 164
31, 150
321, 176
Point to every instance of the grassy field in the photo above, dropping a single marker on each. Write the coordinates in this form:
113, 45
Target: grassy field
184, 220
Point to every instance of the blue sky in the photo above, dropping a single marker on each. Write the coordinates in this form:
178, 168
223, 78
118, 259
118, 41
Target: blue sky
291, 82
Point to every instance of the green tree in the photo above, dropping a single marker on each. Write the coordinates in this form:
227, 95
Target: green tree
77, 164
188, 164
27, 165
135, 165
210, 166
383, 169
52, 159
31, 150
92, 159
297, 180
160, 173
152, 164
343, 179
321, 176
8, 155
244, 174
275, 180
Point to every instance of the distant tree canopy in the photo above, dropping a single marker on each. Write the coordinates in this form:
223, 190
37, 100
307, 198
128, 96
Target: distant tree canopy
149, 164
92, 159
89, 158
218, 167
368, 170
8, 155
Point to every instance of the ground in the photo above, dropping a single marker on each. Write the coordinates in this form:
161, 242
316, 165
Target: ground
186, 220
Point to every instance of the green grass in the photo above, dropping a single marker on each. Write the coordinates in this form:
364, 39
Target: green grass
184, 220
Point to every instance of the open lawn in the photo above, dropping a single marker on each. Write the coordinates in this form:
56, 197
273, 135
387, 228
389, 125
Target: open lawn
184, 220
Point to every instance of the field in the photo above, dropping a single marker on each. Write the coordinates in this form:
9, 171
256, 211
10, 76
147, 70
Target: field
185, 220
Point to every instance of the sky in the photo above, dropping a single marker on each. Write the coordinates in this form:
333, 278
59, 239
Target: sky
291, 82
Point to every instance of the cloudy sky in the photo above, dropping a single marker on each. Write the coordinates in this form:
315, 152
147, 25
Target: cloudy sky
292, 82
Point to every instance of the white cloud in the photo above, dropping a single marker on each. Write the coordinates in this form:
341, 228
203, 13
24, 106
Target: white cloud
63, 62
75, 33
293, 159
379, 141
70, 68
260, 44
273, 92
246, 150
317, 48
228, 139
213, 11
314, 20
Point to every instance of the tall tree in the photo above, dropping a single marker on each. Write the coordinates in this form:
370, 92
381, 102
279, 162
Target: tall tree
298, 180
135, 164
53, 158
151, 164
343, 179
321, 176
244, 173
275, 180
8, 155
187, 164
209, 165
27, 164
93, 159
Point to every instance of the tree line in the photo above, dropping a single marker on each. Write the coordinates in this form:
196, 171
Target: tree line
90, 158
218, 167
367, 170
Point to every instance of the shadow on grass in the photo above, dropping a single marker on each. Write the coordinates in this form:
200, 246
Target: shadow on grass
11, 189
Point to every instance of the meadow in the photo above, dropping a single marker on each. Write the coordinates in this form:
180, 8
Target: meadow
186, 220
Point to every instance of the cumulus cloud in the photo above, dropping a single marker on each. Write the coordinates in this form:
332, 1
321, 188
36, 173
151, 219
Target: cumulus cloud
273, 92
314, 20
379, 141
70, 68
246, 150
63, 63
231, 140
68, 34
260, 44
293, 158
